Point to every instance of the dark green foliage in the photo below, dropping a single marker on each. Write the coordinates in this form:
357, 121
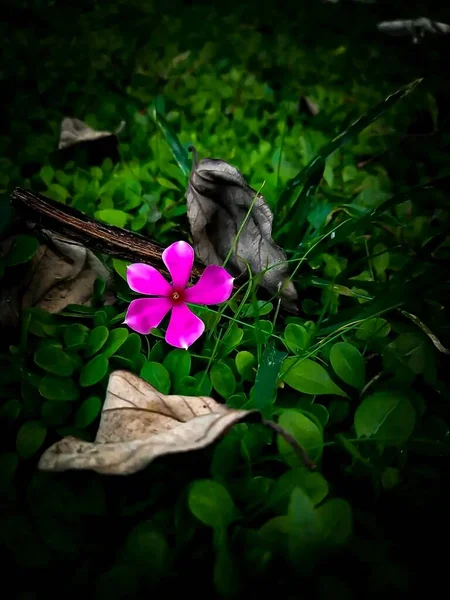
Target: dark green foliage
358, 378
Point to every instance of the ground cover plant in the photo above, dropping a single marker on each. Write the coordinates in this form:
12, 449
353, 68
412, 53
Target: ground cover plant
327, 471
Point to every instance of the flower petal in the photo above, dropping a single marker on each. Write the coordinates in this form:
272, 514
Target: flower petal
145, 279
184, 327
145, 313
214, 286
179, 259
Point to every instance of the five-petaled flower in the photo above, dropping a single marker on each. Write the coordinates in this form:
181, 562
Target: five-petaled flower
214, 286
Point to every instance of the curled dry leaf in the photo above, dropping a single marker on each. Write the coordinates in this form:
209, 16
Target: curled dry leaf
76, 136
416, 28
139, 424
74, 131
61, 272
218, 202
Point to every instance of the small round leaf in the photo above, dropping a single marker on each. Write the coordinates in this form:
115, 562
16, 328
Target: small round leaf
211, 503
58, 388
30, 438
245, 361
116, 338
222, 379
157, 375
387, 416
348, 364
96, 340
305, 432
94, 370
88, 412
54, 360
296, 338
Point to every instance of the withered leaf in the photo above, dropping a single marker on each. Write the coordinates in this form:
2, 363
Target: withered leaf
61, 272
416, 28
139, 424
76, 137
74, 131
218, 200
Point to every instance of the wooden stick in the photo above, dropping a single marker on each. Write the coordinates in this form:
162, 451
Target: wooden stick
65, 220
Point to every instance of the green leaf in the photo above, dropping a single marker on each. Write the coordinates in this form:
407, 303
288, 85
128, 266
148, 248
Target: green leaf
96, 340
381, 262
374, 328
305, 432
10, 410
245, 361
178, 365
231, 340
157, 375
88, 412
211, 503
178, 152
116, 338
94, 371
47, 174
131, 348
75, 336
309, 377
58, 388
296, 338
30, 438
304, 528
204, 385
165, 183
335, 517
387, 416
348, 364
22, 250
112, 216
57, 192
222, 379
54, 360
264, 391
146, 550
259, 308
314, 484
120, 267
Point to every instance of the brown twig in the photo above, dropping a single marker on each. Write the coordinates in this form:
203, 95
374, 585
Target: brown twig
45, 213
292, 442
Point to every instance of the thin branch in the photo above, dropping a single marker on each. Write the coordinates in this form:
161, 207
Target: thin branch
292, 442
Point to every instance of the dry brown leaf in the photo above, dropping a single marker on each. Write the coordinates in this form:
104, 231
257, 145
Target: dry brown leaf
61, 272
139, 424
74, 131
218, 200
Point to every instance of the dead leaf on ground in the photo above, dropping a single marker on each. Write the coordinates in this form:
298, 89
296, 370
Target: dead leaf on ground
75, 131
218, 200
416, 28
76, 136
61, 272
139, 424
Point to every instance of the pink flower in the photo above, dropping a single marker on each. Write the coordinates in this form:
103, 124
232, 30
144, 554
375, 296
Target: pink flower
214, 286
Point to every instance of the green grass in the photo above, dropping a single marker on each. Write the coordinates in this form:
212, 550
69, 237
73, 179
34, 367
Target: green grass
361, 207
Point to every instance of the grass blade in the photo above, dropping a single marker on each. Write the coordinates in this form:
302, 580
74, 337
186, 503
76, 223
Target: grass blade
180, 154
343, 138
